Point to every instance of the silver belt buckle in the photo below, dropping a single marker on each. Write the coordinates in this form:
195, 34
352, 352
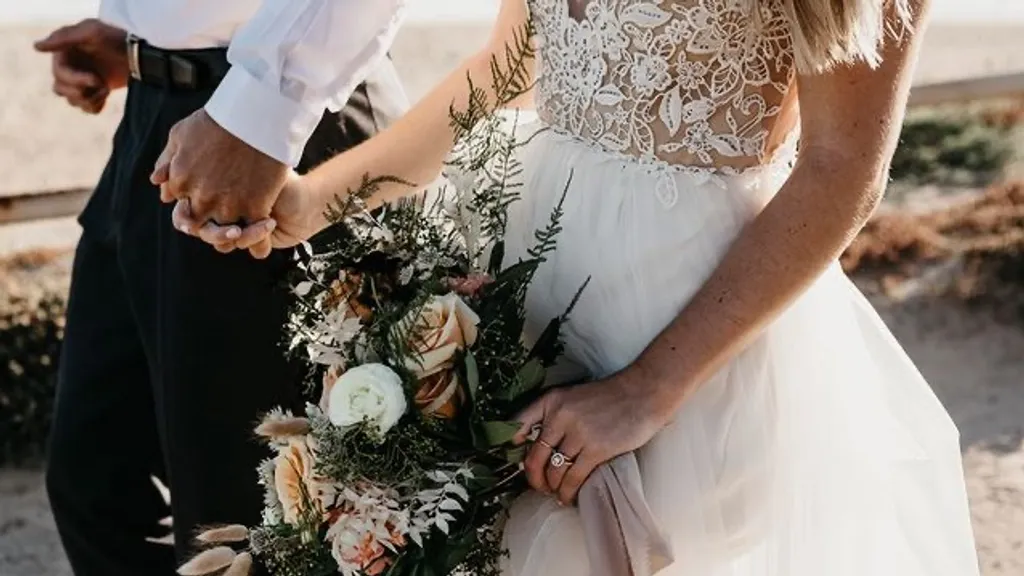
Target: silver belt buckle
132, 46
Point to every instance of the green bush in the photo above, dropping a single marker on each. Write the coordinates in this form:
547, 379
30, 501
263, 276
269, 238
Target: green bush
958, 148
31, 328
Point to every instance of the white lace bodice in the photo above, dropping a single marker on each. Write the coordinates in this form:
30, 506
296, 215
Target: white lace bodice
700, 83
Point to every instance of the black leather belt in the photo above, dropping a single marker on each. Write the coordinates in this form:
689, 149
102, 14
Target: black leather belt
178, 69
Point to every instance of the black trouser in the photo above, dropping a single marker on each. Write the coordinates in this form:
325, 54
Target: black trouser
172, 352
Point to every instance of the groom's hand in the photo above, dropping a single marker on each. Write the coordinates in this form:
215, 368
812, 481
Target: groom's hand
89, 61
223, 179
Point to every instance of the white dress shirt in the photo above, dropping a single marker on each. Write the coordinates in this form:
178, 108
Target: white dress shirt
291, 59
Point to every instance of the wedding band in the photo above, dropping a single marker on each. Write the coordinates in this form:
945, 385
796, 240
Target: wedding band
558, 460
546, 445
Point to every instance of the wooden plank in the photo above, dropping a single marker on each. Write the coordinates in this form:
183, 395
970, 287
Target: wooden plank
983, 88
41, 206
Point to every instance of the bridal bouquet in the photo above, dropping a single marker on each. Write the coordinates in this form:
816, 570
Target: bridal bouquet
403, 462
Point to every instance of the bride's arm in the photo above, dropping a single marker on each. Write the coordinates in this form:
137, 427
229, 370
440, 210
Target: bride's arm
414, 148
851, 121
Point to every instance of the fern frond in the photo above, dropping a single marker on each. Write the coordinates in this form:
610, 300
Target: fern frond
547, 237
513, 78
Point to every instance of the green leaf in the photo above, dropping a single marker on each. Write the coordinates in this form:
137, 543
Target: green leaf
516, 272
548, 346
458, 550
516, 455
478, 437
422, 568
497, 256
483, 474
472, 375
499, 433
531, 375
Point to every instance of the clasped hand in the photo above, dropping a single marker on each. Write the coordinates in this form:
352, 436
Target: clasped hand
229, 194
213, 176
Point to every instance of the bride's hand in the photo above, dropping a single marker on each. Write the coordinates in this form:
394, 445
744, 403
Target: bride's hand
295, 217
589, 425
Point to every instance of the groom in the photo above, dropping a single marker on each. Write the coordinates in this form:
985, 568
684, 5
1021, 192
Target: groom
172, 350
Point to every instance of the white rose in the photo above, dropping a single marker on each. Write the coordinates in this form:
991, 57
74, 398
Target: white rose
369, 393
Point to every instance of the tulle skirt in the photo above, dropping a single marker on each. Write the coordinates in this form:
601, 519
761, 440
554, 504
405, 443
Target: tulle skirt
818, 451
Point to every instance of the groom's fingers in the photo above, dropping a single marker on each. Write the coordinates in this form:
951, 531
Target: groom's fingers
220, 236
255, 233
261, 249
183, 220
162, 173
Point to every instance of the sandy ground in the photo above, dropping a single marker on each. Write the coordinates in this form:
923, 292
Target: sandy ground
973, 361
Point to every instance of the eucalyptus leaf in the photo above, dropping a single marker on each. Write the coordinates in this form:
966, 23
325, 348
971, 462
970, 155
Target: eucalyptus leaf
472, 375
499, 433
531, 375
516, 455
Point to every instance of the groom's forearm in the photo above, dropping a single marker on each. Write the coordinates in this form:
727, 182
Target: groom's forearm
295, 59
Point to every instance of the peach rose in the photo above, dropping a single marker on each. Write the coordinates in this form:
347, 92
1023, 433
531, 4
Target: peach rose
368, 553
440, 395
443, 327
293, 475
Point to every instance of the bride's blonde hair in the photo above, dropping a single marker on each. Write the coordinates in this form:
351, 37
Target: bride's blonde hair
831, 32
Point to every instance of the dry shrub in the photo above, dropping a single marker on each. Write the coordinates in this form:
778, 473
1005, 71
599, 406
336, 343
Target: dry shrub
983, 236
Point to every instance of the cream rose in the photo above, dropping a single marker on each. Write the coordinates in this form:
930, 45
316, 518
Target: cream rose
293, 475
369, 393
441, 329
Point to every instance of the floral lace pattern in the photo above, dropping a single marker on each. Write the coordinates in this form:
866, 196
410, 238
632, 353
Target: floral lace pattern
684, 82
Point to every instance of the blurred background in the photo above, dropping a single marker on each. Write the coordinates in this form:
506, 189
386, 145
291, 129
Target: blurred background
942, 259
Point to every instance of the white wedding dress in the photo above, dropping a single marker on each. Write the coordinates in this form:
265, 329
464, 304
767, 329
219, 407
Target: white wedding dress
819, 450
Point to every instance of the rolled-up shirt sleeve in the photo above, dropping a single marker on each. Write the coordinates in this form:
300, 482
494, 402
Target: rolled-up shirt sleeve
294, 60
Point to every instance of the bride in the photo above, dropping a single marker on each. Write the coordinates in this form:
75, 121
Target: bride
779, 428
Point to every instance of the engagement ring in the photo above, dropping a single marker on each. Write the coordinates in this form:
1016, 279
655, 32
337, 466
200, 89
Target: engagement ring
558, 460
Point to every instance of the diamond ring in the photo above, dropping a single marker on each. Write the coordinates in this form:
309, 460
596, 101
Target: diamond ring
558, 460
